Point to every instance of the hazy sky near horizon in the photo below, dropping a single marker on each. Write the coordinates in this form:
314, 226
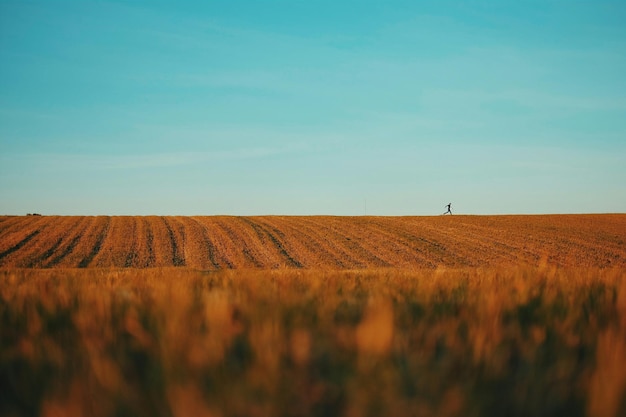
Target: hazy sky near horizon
312, 107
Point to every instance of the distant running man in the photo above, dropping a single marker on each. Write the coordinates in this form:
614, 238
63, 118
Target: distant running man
449, 209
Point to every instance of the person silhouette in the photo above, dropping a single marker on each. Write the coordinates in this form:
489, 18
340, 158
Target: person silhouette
449, 209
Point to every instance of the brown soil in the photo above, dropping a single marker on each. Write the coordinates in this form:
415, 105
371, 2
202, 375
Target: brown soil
326, 242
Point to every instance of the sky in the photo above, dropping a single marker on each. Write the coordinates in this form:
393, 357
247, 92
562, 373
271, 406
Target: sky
312, 107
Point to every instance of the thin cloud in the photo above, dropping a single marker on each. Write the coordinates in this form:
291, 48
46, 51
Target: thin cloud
57, 161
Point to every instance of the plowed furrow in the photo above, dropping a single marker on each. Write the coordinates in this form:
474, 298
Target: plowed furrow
36, 254
19, 230
364, 239
42, 259
117, 244
200, 250
432, 241
215, 242
312, 250
519, 240
482, 240
318, 241
132, 255
432, 245
255, 246
392, 247
220, 242
544, 237
100, 234
19, 245
80, 244
409, 249
350, 235
244, 253
270, 236
381, 250
12, 224
177, 240
332, 242
456, 249
147, 246
161, 242
466, 250
141, 254
69, 243
583, 247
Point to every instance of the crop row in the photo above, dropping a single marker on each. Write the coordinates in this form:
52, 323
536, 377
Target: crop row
227, 242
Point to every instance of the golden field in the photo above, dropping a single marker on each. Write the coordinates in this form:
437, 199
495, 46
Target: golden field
312, 242
321, 316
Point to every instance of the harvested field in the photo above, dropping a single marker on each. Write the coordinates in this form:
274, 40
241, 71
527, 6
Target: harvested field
313, 242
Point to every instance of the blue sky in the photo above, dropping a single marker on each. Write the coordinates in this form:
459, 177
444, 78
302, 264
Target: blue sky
312, 107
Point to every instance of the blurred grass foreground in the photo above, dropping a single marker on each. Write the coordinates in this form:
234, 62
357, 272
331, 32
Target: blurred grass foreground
174, 342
